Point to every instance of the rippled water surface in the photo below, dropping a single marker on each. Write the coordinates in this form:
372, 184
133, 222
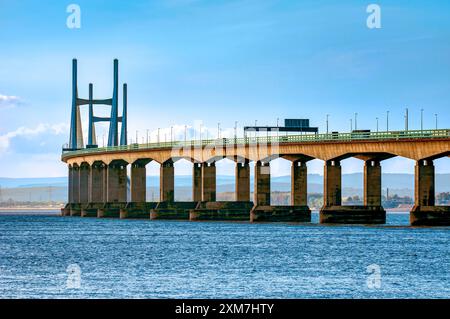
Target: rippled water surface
164, 259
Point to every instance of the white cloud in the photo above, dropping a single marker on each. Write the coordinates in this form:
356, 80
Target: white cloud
9, 101
54, 129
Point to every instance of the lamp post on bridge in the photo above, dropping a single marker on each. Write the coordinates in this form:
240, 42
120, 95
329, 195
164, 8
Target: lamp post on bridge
387, 121
436, 119
158, 135
421, 120
351, 125
328, 115
406, 119
377, 124
218, 130
356, 121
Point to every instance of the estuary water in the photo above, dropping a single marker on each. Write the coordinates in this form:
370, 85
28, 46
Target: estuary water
44, 256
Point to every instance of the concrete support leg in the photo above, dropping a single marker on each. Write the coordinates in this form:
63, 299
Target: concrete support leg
424, 183
209, 182
424, 212
84, 183
262, 184
197, 182
70, 185
298, 211
370, 213
332, 188
75, 205
138, 183
76, 185
242, 172
117, 183
167, 182
97, 182
299, 175
372, 183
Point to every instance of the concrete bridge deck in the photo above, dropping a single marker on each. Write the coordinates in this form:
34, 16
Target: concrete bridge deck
99, 175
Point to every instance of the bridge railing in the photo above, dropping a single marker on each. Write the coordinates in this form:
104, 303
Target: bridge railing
306, 138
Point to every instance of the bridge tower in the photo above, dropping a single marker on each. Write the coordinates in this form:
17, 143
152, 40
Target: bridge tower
76, 132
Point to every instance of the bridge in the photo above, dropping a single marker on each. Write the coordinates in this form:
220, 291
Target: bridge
98, 176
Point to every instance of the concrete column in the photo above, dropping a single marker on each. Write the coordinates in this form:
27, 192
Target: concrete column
332, 188
242, 172
299, 180
138, 183
97, 182
261, 192
424, 183
70, 185
76, 184
117, 182
372, 183
84, 183
197, 182
167, 182
209, 182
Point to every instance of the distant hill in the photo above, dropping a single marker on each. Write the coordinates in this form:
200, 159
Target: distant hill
33, 182
44, 189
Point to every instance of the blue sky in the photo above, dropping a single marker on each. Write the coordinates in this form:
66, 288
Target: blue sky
187, 61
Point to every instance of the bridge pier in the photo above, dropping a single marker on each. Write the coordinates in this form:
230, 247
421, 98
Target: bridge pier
97, 189
242, 175
138, 207
197, 181
209, 182
167, 182
84, 183
84, 186
297, 212
212, 210
75, 209
424, 212
116, 189
167, 208
370, 213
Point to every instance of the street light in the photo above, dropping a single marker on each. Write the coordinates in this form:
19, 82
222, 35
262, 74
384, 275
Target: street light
421, 119
436, 118
218, 130
356, 121
351, 125
327, 122
158, 135
137, 140
147, 136
171, 134
235, 129
406, 119
377, 124
387, 121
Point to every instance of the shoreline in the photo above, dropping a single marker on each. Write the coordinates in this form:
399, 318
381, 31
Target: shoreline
37, 209
9, 209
